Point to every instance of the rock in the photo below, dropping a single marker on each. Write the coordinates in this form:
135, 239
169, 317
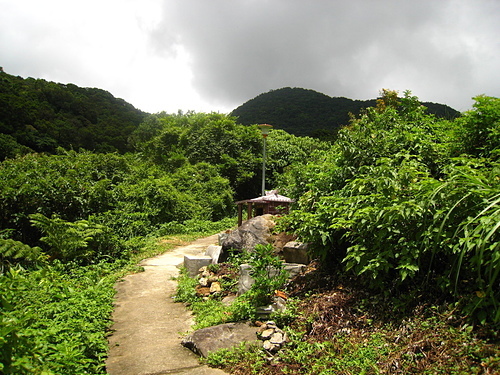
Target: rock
296, 252
202, 291
264, 311
245, 281
294, 269
273, 337
206, 340
256, 231
193, 263
270, 346
277, 338
222, 236
203, 281
215, 287
214, 252
281, 239
212, 279
279, 304
228, 300
267, 334
271, 324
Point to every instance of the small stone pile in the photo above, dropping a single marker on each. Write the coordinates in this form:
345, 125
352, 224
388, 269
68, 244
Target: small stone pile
208, 283
273, 337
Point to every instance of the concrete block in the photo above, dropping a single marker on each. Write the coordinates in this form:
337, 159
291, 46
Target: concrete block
296, 252
214, 252
193, 263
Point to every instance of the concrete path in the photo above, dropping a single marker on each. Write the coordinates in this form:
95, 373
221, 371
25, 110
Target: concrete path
148, 324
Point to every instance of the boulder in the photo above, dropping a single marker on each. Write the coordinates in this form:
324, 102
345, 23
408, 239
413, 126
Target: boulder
256, 231
223, 336
296, 252
214, 252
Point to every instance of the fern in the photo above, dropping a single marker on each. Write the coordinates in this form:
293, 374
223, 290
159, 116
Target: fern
67, 240
11, 250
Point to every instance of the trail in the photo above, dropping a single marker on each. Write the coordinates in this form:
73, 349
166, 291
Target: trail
147, 323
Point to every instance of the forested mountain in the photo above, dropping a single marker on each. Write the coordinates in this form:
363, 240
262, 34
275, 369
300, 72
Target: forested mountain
307, 112
37, 115
40, 115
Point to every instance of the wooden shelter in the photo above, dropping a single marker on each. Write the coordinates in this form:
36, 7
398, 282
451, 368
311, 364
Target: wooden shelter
271, 203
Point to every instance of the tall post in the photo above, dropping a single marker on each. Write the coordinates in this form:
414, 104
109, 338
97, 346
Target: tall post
264, 128
264, 167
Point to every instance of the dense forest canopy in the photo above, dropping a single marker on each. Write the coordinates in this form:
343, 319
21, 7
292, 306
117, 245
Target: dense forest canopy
41, 116
307, 112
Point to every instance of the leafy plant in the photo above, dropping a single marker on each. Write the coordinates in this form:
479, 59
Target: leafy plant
391, 203
15, 251
268, 273
67, 241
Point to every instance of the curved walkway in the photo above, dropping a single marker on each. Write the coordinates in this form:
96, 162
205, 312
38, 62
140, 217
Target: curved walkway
148, 325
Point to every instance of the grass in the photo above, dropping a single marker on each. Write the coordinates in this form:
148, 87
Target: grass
338, 328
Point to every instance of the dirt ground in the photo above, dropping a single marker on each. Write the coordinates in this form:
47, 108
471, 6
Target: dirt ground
148, 325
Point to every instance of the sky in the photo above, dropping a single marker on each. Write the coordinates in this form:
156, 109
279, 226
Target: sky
214, 55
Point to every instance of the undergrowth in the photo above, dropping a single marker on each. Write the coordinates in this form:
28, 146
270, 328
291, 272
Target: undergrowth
336, 327
55, 316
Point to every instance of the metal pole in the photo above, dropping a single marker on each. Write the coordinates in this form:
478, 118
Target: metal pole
264, 168
264, 128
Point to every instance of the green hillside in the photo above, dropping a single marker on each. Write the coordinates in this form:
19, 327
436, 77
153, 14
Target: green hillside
307, 112
40, 115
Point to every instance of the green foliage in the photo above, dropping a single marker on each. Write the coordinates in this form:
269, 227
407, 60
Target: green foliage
479, 131
234, 150
68, 241
245, 356
125, 196
196, 226
14, 251
285, 150
43, 115
468, 233
53, 321
418, 346
268, 273
391, 204
9, 148
305, 112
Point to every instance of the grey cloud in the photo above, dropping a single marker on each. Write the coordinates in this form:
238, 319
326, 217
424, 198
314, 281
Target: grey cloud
242, 48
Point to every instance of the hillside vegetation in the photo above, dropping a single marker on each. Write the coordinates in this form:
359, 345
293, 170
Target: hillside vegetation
310, 113
404, 205
36, 115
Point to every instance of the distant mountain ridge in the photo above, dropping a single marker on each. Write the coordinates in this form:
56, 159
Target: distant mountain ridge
39, 115
306, 112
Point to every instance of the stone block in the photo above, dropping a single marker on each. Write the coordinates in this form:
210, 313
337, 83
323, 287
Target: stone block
214, 251
206, 340
296, 252
193, 263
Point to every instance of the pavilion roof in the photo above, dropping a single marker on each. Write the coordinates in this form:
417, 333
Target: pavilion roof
271, 196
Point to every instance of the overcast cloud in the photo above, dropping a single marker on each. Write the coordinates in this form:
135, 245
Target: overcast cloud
213, 55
